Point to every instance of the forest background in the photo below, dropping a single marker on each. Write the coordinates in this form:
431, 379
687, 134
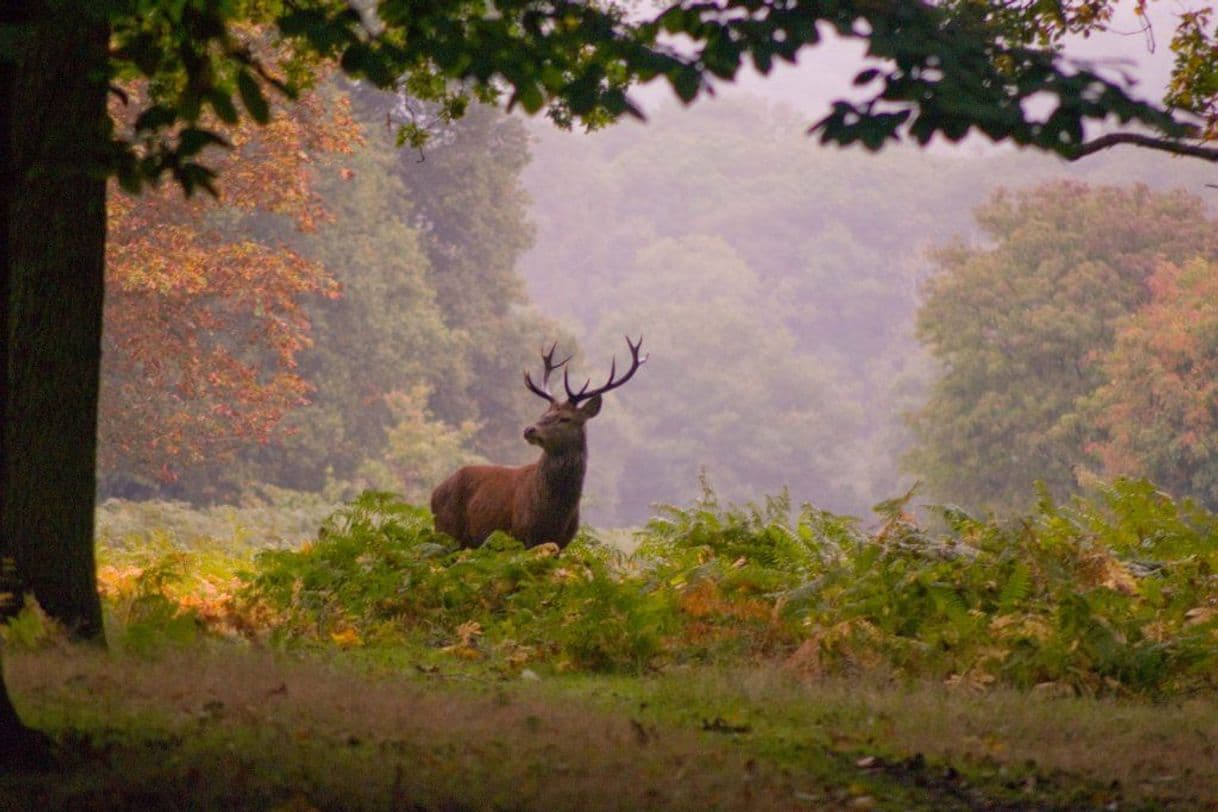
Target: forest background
799, 303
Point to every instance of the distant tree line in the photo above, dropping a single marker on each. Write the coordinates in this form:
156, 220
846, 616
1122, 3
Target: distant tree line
1079, 340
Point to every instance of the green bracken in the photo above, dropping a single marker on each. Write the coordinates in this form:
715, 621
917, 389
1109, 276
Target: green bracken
1115, 593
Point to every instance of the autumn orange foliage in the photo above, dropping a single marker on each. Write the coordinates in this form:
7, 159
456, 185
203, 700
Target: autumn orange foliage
713, 616
1158, 411
203, 323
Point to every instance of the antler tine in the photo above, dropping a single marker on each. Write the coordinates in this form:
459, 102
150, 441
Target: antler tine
636, 362
574, 397
532, 387
548, 359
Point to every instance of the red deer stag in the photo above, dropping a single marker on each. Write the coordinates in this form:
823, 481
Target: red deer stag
534, 503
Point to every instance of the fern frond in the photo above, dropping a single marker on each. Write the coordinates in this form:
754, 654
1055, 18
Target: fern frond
1016, 589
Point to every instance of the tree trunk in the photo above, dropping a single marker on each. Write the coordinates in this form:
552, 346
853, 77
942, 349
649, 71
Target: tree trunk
19, 746
57, 228
10, 725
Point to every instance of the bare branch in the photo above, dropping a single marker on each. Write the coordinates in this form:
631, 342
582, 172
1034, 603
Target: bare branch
1148, 141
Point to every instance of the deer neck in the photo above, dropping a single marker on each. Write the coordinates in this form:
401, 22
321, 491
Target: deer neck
560, 476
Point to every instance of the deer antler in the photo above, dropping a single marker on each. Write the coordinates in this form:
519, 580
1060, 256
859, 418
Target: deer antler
544, 390
583, 394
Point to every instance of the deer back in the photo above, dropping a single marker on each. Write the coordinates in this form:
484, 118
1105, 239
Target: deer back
478, 500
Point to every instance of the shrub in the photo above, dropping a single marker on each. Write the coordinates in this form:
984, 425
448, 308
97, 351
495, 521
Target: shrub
1116, 593
379, 573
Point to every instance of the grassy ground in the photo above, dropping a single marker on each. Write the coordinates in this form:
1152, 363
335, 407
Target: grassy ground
510, 679
235, 728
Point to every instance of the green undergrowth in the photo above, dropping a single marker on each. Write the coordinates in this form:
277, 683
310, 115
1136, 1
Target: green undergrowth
379, 575
1114, 594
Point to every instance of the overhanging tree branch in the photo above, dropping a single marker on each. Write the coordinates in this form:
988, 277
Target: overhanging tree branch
1147, 141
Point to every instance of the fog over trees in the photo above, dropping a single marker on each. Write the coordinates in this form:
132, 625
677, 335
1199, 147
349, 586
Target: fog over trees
780, 281
777, 282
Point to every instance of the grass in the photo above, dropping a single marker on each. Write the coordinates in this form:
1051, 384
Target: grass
251, 731
1059, 750
231, 727
736, 661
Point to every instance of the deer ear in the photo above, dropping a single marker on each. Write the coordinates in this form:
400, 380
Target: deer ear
592, 407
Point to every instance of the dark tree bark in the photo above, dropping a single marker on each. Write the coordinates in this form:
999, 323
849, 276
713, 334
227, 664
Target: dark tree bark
19, 746
11, 727
58, 136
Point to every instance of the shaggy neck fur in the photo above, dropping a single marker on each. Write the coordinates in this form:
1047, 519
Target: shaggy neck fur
561, 476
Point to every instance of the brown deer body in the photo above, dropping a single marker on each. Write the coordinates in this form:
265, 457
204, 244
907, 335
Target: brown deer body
535, 503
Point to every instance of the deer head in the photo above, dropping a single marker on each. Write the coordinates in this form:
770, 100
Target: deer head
560, 430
